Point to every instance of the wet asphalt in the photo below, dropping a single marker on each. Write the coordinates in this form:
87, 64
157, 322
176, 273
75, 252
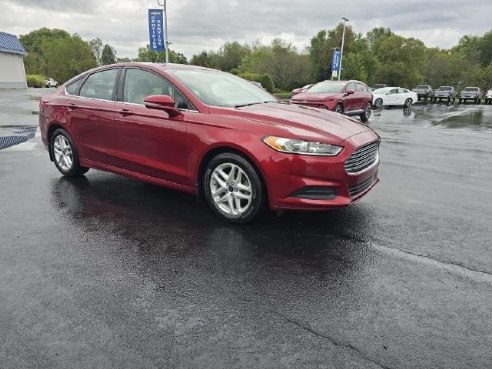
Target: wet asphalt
108, 272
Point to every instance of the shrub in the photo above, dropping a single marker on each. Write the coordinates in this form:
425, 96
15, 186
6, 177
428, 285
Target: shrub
35, 80
267, 82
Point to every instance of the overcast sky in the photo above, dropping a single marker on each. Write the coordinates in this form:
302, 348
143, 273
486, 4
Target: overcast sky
196, 25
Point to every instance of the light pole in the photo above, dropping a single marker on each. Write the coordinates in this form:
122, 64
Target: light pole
341, 50
164, 6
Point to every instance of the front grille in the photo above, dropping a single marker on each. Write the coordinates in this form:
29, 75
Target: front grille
361, 187
362, 158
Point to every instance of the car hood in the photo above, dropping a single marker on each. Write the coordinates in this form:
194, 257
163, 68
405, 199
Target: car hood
289, 120
315, 97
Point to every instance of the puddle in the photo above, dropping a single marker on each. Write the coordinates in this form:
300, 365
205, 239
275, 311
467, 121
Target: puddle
457, 117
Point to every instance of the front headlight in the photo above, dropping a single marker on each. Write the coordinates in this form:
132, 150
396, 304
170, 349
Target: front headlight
293, 146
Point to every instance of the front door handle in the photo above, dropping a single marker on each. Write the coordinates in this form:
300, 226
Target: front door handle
125, 112
72, 106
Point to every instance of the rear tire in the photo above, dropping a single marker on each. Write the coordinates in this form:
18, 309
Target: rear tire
65, 155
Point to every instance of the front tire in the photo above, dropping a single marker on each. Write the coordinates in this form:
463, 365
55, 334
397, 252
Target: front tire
408, 103
65, 155
378, 103
364, 117
233, 188
339, 108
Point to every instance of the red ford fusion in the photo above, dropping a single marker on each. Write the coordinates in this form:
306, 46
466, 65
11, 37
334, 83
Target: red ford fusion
211, 134
345, 97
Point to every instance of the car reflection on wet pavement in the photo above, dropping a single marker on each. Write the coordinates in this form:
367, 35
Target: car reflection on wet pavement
104, 271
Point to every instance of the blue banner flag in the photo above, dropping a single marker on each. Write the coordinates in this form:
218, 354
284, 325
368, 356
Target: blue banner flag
156, 30
335, 61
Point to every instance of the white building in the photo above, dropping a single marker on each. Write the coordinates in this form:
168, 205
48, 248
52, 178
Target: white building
12, 72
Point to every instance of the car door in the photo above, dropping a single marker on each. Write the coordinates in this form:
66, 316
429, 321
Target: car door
148, 141
350, 101
91, 114
391, 97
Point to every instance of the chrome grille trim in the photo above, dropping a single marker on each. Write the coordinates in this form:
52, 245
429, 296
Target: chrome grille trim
364, 158
361, 187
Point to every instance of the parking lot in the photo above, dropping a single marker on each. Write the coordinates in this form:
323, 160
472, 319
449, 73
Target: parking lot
108, 272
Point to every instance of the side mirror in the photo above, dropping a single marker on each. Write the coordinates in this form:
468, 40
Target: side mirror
350, 92
162, 102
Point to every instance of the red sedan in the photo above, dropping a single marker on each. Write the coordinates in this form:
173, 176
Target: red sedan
345, 97
211, 134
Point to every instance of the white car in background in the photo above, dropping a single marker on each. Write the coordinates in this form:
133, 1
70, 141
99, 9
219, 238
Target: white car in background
50, 82
488, 97
393, 96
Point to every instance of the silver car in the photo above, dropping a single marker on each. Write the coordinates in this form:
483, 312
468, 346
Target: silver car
471, 93
444, 92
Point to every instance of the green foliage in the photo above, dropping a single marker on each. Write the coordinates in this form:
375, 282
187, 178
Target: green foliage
108, 55
145, 54
96, 45
401, 60
57, 54
65, 58
231, 55
35, 80
266, 81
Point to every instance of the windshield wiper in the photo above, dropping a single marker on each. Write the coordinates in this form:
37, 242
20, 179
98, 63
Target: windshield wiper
254, 103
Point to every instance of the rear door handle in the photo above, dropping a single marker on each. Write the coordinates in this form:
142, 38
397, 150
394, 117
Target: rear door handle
72, 106
125, 112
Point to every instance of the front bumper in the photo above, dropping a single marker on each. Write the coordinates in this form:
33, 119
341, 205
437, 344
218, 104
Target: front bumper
301, 182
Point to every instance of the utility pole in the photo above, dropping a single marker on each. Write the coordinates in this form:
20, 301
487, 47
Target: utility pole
164, 6
341, 50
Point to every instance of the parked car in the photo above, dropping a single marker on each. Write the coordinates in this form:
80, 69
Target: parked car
211, 134
444, 92
50, 82
344, 97
471, 93
299, 90
488, 96
424, 91
393, 96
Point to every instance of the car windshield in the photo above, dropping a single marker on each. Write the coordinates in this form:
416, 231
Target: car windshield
221, 89
445, 88
326, 87
380, 91
421, 87
471, 89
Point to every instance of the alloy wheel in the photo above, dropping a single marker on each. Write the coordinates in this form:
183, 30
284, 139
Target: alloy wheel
63, 153
231, 190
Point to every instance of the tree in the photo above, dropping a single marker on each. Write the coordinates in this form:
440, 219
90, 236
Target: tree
232, 55
96, 48
57, 54
108, 55
145, 54
67, 57
401, 61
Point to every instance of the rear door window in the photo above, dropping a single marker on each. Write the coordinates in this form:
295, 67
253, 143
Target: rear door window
100, 85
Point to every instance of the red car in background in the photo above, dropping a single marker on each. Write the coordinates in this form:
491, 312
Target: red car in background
211, 134
344, 97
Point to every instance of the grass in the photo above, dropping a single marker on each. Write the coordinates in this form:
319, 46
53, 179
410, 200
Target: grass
283, 95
